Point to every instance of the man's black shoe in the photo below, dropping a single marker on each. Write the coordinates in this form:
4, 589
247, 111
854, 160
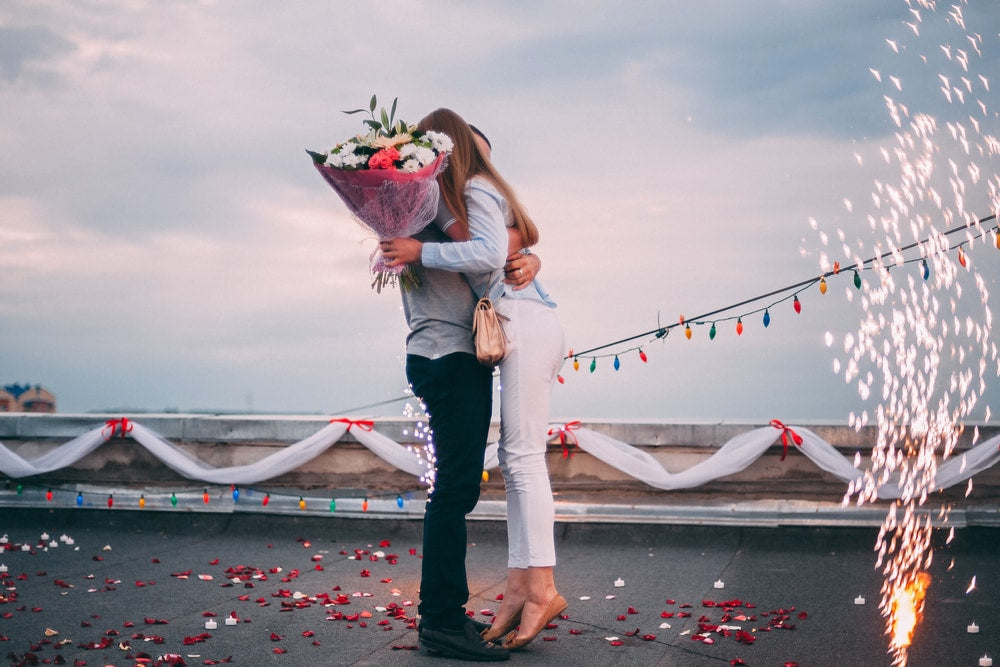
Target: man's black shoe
464, 644
479, 625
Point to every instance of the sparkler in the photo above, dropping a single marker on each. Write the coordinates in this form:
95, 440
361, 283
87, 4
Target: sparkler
922, 349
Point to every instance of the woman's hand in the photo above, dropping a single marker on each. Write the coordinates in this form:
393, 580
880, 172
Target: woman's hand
520, 270
400, 251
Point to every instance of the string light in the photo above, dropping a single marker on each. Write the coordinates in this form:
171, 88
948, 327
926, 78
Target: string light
173, 499
739, 326
711, 332
822, 285
485, 476
266, 500
399, 502
20, 488
796, 304
576, 364
927, 269
617, 364
236, 494
302, 503
333, 504
593, 364
857, 279
142, 501
767, 318
961, 257
79, 500
204, 496
642, 355
111, 501
48, 494
687, 331
364, 505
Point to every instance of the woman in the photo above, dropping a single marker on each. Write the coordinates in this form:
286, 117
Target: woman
527, 374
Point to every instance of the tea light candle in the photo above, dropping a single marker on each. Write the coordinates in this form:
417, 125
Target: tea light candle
4, 539
619, 582
210, 624
231, 621
986, 661
25, 547
973, 628
719, 584
859, 600
70, 541
3, 567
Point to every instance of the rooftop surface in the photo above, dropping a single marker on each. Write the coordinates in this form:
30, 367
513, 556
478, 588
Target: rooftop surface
105, 587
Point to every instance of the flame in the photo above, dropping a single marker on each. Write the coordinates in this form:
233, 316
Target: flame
907, 607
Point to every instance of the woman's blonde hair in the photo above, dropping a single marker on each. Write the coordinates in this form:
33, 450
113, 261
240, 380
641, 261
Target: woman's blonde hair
466, 161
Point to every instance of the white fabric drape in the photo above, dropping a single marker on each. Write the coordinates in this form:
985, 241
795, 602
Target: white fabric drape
735, 455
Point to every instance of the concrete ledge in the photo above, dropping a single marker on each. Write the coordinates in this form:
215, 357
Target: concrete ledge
768, 492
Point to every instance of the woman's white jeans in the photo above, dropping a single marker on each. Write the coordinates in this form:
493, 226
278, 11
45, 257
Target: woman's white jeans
534, 355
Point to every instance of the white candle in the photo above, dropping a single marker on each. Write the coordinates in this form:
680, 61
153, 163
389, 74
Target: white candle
210, 624
719, 584
986, 661
619, 582
3, 568
230, 620
25, 547
44, 537
4, 539
70, 541
973, 628
859, 600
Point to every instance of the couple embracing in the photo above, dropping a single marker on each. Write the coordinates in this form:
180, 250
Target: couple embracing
478, 245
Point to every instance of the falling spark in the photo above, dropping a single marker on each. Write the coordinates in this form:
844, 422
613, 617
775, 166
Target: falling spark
907, 608
972, 585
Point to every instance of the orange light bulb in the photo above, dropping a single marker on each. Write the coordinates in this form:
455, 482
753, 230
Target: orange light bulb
822, 285
739, 326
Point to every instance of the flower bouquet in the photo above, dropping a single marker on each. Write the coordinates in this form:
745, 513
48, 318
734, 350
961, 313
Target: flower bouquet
387, 179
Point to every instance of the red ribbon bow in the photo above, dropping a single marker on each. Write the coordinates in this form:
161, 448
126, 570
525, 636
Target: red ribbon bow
565, 431
121, 424
785, 433
363, 424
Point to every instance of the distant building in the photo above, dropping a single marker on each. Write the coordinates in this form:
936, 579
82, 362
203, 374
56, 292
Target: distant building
26, 398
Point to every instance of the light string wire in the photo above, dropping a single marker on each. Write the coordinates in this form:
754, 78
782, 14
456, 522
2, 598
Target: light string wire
661, 332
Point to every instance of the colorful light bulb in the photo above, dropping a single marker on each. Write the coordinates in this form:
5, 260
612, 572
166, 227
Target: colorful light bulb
739, 326
173, 499
767, 318
561, 379
333, 504
796, 304
485, 476
48, 494
711, 332
836, 268
20, 489
364, 505
302, 503
236, 494
822, 285
927, 269
996, 235
79, 499
111, 501
204, 496
857, 280
593, 364
399, 502
687, 332
618, 364
961, 256
142, 501
576, 364
642, 356
266, 500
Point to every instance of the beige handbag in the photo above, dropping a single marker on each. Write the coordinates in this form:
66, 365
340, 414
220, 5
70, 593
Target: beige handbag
488, 334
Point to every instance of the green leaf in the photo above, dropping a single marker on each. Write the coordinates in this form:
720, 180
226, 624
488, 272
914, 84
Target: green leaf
372, 104
385, 120
374, 124
392, 112
318, 158
354, 111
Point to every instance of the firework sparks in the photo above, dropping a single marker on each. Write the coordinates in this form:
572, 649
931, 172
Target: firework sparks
921, 351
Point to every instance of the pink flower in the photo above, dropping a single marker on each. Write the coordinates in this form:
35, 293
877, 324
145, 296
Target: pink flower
384, 159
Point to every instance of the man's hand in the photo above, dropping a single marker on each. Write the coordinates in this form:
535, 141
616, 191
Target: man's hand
400, 251
520, 270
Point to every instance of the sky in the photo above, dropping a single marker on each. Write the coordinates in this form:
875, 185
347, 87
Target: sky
166, 245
